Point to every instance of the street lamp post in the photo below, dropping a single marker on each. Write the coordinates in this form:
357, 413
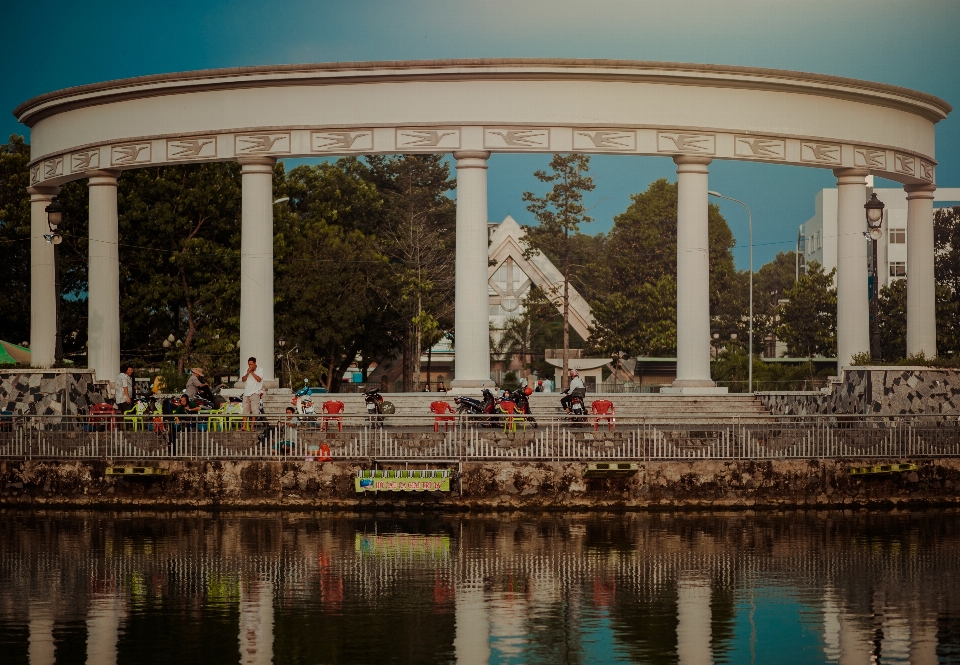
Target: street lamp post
281, 342
874, 209
54, 218
750, 341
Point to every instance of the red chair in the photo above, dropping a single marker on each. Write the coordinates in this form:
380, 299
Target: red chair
444, 413
602, 409
330, 410
512, 414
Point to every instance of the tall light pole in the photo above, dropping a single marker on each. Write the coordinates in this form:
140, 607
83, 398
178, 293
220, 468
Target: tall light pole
54, 219
750, 342
874, 208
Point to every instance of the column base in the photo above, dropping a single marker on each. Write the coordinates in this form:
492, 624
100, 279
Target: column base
470, 386
693, 390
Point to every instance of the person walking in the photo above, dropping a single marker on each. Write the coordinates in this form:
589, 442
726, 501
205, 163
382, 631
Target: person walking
124, 391
252, 387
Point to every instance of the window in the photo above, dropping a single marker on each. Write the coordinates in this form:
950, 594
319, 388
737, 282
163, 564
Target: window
898, 269
898, 236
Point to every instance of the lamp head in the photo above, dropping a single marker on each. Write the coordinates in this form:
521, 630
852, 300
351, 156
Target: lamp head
874, 208
54, 213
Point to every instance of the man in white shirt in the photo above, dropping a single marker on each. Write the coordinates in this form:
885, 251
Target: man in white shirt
124, 392
252, 387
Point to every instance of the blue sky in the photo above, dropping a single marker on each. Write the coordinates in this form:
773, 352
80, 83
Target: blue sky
914, 43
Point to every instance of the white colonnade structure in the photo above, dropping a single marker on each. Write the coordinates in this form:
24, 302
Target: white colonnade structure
691, 113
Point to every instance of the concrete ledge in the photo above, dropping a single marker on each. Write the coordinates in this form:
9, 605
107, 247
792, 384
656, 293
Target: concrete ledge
693, 390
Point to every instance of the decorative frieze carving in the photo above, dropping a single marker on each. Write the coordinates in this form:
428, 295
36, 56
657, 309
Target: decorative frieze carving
604, 140
34, 174
85, 160
820, 153
428, 138
870, 158
904, 163
265, 143
130, 153
342, 141
52, 168
926, 170
687, 142
756, 147
512, 137
196, 147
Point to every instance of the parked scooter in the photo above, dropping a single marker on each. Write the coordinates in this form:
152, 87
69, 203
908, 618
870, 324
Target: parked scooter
521, 397
577, 409
476, 407
303, 401
377, 407
211, 396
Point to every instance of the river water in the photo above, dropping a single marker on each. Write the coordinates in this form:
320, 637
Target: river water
185, 588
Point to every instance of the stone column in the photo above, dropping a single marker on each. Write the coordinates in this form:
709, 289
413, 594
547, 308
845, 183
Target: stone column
472, 319
256, 266
103, 299
921, 286
853, 308
693, 274
43, 299
693, 620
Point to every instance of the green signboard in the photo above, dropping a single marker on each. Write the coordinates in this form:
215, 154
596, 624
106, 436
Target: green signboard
402, 484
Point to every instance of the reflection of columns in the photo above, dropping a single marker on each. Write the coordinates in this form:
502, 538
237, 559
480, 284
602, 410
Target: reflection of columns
256, 622
831, 625
693, 620
472, 318
923, 642
103, 325
693, 273
43, 299
853, 312
256, 265
921, 287
856, 647
103, 628
472, 641
40, 649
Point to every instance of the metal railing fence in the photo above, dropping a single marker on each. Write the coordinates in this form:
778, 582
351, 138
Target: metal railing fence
472, 438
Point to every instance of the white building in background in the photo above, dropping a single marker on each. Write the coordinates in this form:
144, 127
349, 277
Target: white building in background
820, 231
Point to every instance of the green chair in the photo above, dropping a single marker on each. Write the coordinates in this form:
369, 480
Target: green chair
134, 417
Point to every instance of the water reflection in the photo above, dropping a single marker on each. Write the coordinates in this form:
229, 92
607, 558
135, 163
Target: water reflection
302, 588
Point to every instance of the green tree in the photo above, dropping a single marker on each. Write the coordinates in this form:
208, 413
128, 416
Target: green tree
808, 322
946, 238
333, 282
770, 283
416, 230
15, 240
636, 312
180, 263
559, 213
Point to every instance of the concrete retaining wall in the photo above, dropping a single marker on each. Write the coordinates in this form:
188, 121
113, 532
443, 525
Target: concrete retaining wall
485, 486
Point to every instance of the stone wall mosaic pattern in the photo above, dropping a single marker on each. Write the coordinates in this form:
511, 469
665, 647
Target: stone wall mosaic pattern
886, 391
47, 392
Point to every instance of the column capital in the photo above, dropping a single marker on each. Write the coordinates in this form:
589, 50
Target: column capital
102, 177
924, 191
692, 163
42, 193
259, 164
851, 176
476, 159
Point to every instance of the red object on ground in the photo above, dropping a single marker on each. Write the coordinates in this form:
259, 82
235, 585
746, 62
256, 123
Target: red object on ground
444, 413
323, 454
104, 413
602, 409
330, 409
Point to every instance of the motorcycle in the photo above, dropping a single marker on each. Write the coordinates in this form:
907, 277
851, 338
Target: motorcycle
475, 407
577, 408
521, 397
212, 397
377, 407
303, 401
